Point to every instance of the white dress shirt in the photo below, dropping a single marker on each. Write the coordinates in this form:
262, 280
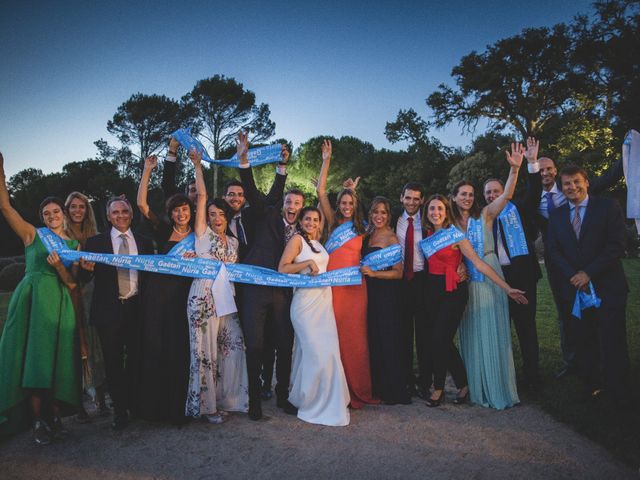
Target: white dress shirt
401, 233
116, 241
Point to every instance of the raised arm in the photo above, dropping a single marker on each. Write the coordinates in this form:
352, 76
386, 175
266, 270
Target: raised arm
321, 189
531, 198
251, 193
169, 169
200, 225
515, 160
150, 163
274, 197
486, 269
22, 228
608, 179
288, 260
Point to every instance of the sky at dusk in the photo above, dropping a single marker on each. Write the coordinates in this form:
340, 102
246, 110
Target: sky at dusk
324, 68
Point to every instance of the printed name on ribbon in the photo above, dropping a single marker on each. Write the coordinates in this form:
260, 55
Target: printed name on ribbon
255, 156
341, 235
209, 268
187, 244
585, 300
440, 239
474, 235
513, 231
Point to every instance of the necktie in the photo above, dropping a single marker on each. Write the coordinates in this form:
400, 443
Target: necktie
289, 230
550, 203
124, 280
408, 250
577, 223
240, 231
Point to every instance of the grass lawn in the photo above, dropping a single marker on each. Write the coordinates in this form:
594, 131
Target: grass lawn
619, 432
616, 431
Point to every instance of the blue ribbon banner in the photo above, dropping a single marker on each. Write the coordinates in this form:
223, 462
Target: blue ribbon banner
440, 239
585, 300
341, 235
474, 235
513, 231
256, 156
173, 264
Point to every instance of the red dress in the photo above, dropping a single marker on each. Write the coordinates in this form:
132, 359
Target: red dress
350, 308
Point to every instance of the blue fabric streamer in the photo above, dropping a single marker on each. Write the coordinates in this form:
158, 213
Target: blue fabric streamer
475, 237
585, 300
440, 239
53, 242
256, 156
513, 230
187, 244
208, 268
341, 235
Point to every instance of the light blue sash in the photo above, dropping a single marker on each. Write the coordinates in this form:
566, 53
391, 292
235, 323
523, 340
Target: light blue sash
208, 268
53, 242
256, 156
187, 244
440, 239
585, 300
513, 230
475, 237
341, 235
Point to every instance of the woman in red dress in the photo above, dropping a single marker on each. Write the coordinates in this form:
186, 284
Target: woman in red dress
349, 302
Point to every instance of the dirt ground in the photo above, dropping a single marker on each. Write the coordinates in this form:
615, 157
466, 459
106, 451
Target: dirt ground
381, 442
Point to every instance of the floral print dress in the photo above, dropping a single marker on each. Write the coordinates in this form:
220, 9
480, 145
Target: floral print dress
218, 370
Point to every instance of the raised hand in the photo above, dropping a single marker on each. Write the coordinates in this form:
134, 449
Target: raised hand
195, 155
284, 155
351, 184
531, 153
517, 296
326, 150
516, 156
150, 162
242, 145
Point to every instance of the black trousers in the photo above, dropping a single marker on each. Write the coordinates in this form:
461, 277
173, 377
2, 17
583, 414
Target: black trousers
121, 346
260, 303
524, 319
414, 324
567, 336
445, 314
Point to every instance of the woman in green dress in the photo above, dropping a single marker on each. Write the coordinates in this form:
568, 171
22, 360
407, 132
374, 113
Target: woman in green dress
39, 363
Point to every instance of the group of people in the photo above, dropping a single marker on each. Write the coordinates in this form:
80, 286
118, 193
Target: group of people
169, 348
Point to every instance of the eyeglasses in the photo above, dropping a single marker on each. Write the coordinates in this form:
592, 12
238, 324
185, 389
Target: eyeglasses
234, 194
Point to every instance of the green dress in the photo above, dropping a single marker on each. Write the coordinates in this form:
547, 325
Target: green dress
38, 347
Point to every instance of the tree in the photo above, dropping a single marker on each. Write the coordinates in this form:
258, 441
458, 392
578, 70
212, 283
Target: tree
520, 82
146, 121
408, 127
221, 107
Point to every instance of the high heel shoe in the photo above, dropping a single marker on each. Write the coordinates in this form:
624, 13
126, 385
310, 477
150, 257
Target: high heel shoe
462, 400
436, 402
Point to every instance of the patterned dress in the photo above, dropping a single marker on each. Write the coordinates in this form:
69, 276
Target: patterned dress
218, 370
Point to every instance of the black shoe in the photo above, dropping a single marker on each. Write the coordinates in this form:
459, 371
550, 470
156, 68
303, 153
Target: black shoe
266, 394
59, 432
255, 411
288, 407
412, 391
436, 402
120, 421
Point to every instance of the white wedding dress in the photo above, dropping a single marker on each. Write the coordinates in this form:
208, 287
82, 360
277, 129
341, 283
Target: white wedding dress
319, 386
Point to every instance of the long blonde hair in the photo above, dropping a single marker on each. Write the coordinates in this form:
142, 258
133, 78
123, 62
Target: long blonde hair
88, 228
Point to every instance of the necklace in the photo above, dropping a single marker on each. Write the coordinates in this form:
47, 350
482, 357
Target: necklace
181, 233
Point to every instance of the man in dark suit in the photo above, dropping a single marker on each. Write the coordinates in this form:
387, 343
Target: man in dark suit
413, 317
552, 197
585, 240
115, 307
521, 271
273, 228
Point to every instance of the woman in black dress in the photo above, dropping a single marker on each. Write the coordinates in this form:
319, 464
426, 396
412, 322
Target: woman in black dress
383, 310
165, 329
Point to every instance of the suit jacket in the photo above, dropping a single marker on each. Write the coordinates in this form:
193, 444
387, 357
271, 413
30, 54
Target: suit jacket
105, 306
597, 185
597, 252
268, 241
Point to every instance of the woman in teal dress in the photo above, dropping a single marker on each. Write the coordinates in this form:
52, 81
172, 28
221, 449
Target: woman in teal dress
485, 329
39, 363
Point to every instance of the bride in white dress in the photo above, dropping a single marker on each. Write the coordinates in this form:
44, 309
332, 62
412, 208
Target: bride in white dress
318, 385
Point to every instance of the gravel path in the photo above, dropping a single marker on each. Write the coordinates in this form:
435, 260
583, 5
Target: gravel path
382, 442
